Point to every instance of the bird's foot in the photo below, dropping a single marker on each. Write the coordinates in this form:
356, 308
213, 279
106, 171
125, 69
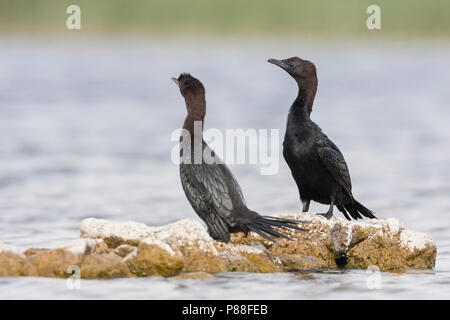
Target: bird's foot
326, 215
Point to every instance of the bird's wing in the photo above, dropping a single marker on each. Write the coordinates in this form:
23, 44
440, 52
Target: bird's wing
334, 161
212, 198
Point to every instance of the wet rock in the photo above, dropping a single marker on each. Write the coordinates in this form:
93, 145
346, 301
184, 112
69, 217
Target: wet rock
104, 266
155, 259
53, 262
185, 250
14, 263
250, 257
391, 246
328, 244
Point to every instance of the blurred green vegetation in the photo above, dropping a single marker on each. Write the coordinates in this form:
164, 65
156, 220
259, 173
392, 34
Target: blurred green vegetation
287, 18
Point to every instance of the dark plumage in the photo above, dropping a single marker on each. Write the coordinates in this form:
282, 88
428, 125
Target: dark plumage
208, 184
316, 163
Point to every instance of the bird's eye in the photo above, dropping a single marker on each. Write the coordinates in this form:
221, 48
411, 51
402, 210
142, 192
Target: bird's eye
291, 65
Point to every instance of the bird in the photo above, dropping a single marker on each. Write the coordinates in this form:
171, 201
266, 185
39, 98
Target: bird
208, 183
316, 163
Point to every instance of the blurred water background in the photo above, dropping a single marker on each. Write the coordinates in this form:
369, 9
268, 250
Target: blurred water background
86, 119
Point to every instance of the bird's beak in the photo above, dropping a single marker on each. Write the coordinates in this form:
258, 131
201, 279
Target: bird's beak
278, 63
175, 80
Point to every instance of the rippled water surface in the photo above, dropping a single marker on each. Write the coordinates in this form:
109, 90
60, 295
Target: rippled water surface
85, 131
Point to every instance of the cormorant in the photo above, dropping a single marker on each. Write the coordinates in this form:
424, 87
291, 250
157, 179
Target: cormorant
209, 185
317, 165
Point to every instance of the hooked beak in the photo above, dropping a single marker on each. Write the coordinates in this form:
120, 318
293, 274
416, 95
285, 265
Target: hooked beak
175, 80
279, 63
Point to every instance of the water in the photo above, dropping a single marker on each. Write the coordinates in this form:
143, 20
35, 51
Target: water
85, 131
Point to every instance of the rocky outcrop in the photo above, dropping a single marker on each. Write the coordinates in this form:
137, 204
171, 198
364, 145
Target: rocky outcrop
14, 263
184, 249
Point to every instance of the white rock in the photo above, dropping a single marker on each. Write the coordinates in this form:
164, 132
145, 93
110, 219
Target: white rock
418, 240
159, 243
82, 246
395, 225
410, 239
182, 232
98, 228
185, 233
349, 235
185, 229
5, 248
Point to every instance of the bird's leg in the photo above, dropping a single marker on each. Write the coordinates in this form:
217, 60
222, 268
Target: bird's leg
306, 205
329, 213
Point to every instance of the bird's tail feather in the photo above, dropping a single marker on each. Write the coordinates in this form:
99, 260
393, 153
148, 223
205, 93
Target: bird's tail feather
265, 226
357, 211
342, 209
352, 211
364, 211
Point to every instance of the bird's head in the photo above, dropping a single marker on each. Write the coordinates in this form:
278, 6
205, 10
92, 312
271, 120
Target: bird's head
193, 92
189, 86
303, 71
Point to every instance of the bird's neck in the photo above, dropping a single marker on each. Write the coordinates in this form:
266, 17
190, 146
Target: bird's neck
302, 106
194, 124
191, 139
196, 108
